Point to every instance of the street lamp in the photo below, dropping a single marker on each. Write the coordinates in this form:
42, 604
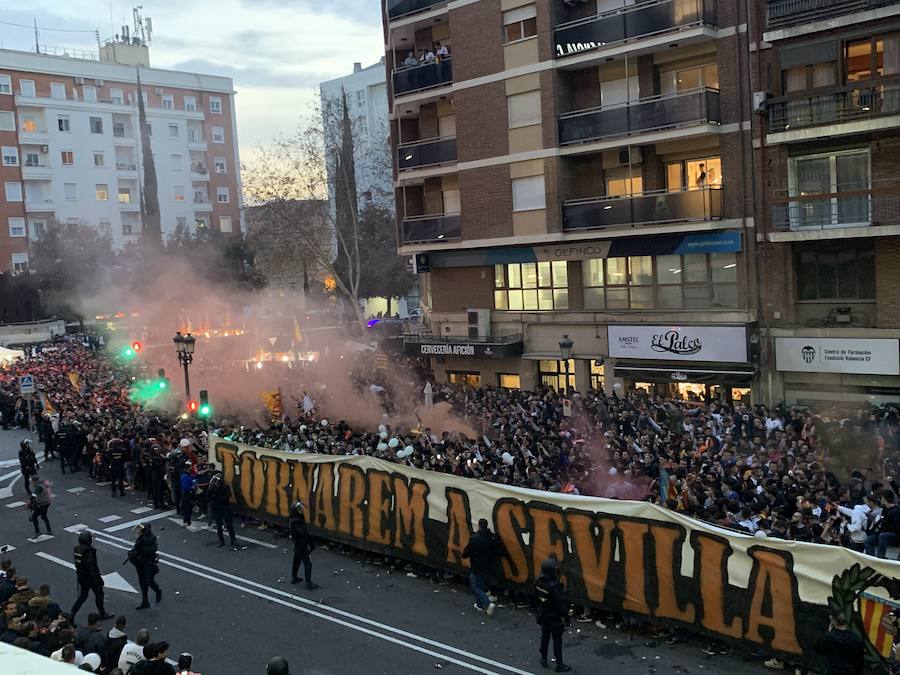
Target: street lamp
565, 350
184, 346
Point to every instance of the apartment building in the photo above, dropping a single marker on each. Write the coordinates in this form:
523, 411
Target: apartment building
575, 181
71, 147
829, 94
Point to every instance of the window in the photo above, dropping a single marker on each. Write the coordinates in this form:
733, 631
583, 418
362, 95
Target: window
70, 192
531, 286
812, 76
468, 378
622, 182
38, 228
176, 163
99, 160
519, 23
26, 88
67, 157
5, 84
124, 195
63, 123
225, 224
119, 129
509, 381
90, 94
524, 109
689, 79
528, 193
557, 374
115, 96
149, 126
694, 174
836, 272
215, 104
10, 156
199, 196
105, 226
32, 159
597, 374
693, 281
817, 182
127, 228
180, 222
168, 102
17, 227
13, 192
96, 125
222, 195
360, 98
200, 222
451, 201
218, 135
179, 192
190, 103
220, 165
8, 121
864, 59
173, 131
57, 90
102, 192
20, 262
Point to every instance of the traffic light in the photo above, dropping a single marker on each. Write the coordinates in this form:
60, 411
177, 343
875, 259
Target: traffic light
192, 407
136, 346
129, 351
162, 383
205, 409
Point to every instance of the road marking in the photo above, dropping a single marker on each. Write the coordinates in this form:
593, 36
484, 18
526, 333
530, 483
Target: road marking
10, 475
190, 528
8, 462
53, 558
317, 612
109, 519
75, 490
141, 509
15, 505
74, 529
7, 492
256, 541
6, 548
146, 519
113, 580
40, 538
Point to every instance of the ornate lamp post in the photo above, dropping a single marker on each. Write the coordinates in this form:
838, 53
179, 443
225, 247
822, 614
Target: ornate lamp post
565, 349
184, 346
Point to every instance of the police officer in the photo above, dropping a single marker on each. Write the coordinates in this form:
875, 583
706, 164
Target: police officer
303, 546
117, 456
27, 461
552, 612
143, 556
87, 572
63, 444
218, 496
157, 477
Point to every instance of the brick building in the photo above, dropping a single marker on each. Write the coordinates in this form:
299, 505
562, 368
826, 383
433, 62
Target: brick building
71, 147
579, 172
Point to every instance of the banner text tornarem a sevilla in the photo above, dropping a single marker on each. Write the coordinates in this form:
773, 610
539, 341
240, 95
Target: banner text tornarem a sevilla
632, 557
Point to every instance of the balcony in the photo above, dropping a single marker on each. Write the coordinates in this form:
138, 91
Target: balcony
631, 23
652, 208
39, 205
420, 229
400, 8
671, 111
34, 137
432, 152
37, 172
783, 13
130, 206
424, 76
846, 208
202, 205
850, 103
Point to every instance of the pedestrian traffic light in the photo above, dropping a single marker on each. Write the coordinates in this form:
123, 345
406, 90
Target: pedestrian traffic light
136, 346
192, 406
205, 409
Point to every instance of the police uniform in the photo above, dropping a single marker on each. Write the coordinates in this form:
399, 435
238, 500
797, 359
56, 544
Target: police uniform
117, 456
303, 546
87, 572
143, 557
552, 612
218, 497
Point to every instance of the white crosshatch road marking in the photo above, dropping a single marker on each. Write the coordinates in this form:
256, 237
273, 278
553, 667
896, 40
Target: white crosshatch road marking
109, 519
141, 509
75, 528
15, 505
75, 490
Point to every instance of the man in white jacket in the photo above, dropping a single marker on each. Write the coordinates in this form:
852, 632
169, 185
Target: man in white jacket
858, 517
133, 652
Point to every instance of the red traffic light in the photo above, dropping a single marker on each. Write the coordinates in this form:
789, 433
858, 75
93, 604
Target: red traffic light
192, 406
137, 346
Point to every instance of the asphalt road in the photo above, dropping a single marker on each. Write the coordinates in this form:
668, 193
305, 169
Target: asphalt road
233, 610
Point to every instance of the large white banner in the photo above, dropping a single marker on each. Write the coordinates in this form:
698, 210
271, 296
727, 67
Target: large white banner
679, 343
880, 356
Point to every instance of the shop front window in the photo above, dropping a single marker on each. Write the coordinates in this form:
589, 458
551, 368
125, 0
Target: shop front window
509, 381
557, 374
531, 286
597, 373
468, 378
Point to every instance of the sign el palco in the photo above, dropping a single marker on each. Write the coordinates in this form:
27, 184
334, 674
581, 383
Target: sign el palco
679, 343
838, 355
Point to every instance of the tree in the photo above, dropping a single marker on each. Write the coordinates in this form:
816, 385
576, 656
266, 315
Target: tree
20, 299
386, 273
221, 259
150, 215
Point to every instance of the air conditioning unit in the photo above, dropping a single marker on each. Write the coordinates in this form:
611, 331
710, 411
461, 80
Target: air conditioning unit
45, 149
629, 156
99, 83
79, 80
759, 100
479, 323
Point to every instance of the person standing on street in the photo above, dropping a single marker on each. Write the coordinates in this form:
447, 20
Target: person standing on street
143, 556
218, 497
188, 484
303, 546
39, 503
483, 552
552, 612
87, 572
842, 650
28, 464
117, 456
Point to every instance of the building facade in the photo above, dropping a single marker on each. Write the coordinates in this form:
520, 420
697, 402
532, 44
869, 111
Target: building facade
71, 145
576, 183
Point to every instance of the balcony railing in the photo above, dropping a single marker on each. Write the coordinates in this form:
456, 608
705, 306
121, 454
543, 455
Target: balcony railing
126, 166
423, 76
782, 13
431, 228
398, 8
845, 104
426, 153
198, 167
671, 111
851, 208
632, 22
645, 209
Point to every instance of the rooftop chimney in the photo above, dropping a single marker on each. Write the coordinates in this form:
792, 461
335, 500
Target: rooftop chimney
357, 66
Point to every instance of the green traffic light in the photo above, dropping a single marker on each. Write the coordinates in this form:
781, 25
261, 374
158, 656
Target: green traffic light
205, 410
162, 384
128, 353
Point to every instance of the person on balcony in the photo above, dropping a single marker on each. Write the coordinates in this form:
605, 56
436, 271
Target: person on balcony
427, 56
410, 60
441, 52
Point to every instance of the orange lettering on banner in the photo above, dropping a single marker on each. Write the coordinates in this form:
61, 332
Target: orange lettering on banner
547, 539
228, 458
594, 562
323, 513
773, 586
410, 511
667, 543
351, 495
302, 475
458, 532
277, 474
379, 507
633, 559
509, 517
711, 572
253, 480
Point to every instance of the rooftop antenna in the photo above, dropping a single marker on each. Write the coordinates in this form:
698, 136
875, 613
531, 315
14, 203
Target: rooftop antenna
37, 45
143, 26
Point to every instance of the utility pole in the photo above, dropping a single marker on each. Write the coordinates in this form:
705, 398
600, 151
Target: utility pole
37, 43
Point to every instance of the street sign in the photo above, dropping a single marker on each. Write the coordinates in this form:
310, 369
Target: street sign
26, 384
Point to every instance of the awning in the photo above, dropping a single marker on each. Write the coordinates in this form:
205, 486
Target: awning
657, 371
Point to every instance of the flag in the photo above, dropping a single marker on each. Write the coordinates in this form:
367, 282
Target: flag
75, 379
873, 610
307, 404
272, 399
45, 404
667, 489
298, 336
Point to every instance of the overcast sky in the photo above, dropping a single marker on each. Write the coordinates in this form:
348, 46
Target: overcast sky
277, 51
